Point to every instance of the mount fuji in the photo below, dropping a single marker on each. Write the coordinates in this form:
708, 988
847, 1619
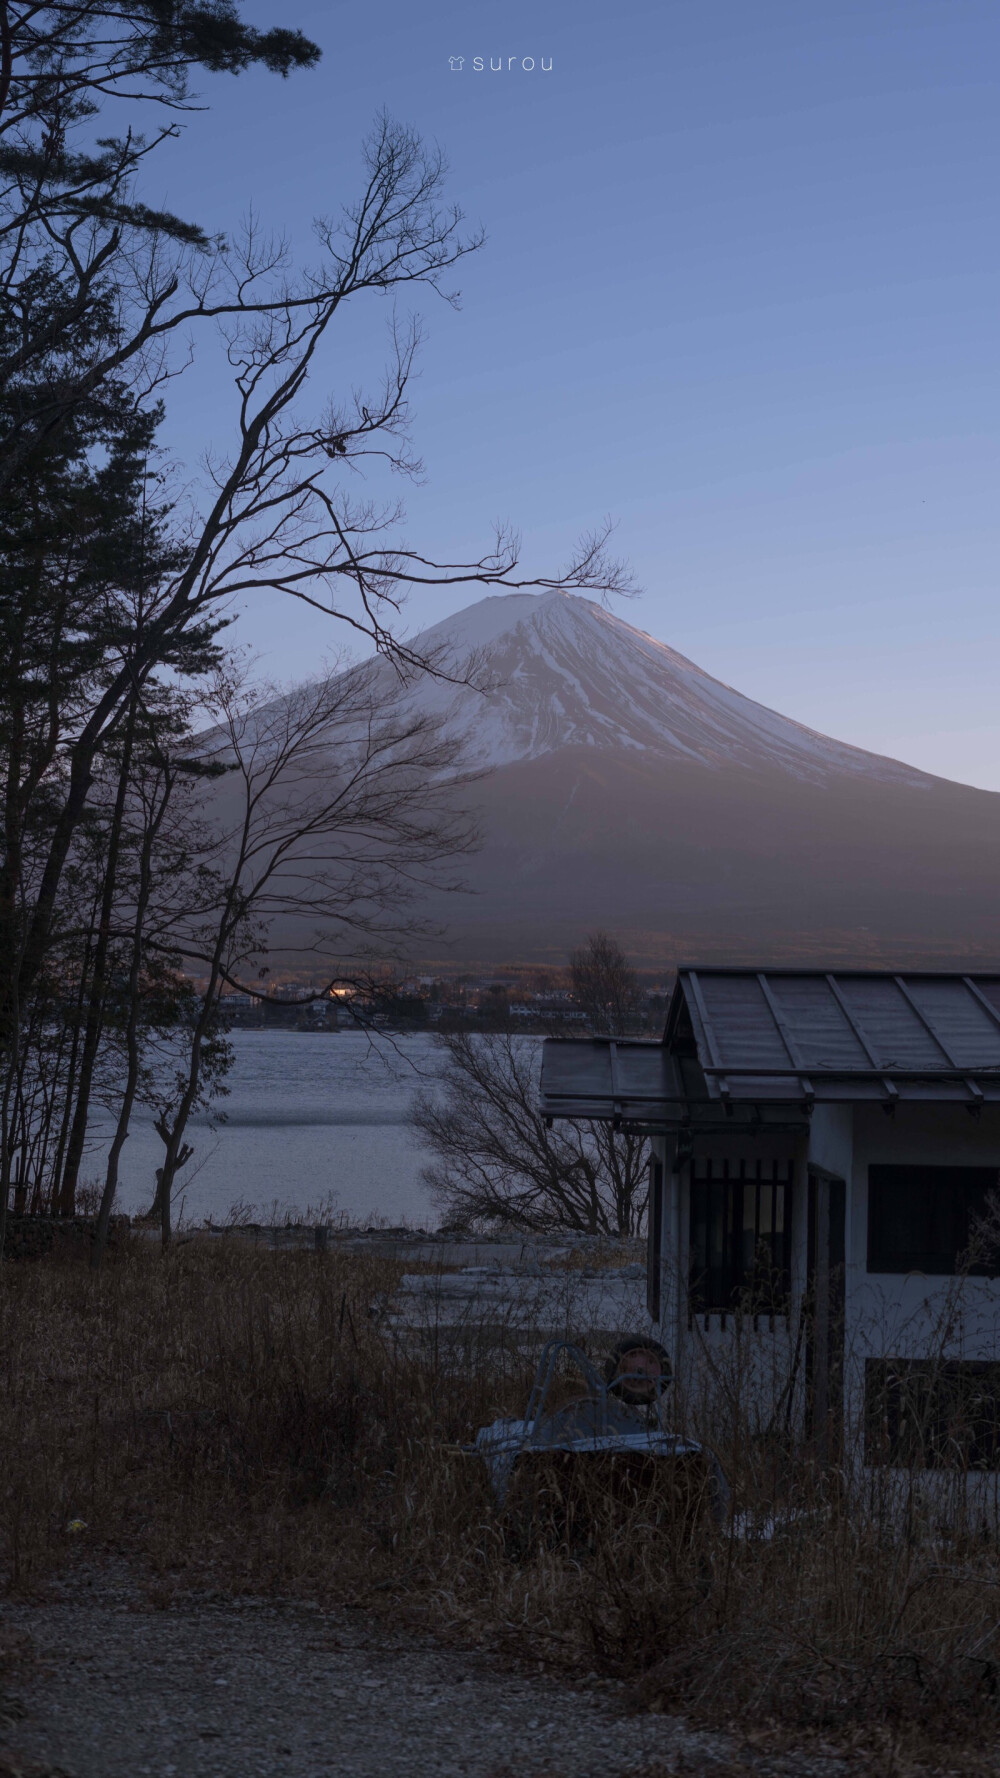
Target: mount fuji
622, 787
561, 672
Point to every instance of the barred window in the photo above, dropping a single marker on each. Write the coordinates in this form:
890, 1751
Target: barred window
740, 1236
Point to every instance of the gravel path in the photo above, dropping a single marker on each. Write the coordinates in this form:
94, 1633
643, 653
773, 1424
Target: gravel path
236, 1689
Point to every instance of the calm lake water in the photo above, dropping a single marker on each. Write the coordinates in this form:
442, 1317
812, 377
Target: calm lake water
309, 1117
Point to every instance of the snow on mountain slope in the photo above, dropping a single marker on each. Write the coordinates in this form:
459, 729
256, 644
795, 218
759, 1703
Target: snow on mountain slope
561, 671
623, 788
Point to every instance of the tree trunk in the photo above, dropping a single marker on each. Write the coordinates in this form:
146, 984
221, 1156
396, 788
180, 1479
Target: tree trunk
99, 982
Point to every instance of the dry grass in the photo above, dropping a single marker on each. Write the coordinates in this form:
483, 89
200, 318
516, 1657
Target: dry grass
606, 1256
237, 1414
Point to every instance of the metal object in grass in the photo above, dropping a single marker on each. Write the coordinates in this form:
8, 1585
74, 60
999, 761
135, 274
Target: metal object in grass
589, 1434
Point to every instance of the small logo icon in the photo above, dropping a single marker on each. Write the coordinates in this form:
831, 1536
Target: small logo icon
455, 63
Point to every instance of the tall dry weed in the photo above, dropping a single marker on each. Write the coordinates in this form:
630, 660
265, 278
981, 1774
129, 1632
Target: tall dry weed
240, 1414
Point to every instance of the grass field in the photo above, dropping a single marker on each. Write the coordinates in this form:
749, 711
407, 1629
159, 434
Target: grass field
236, 1416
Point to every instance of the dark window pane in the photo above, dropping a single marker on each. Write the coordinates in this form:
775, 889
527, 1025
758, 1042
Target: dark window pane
921, 1219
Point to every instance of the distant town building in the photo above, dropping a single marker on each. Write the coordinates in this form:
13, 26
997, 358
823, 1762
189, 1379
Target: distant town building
553, 1009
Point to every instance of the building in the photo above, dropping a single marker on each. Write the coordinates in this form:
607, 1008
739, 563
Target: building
548, 1010
825, 1150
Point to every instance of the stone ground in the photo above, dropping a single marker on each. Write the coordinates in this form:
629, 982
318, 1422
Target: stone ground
115, 1687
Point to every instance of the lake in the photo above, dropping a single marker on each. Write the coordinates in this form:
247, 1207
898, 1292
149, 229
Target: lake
309, 1117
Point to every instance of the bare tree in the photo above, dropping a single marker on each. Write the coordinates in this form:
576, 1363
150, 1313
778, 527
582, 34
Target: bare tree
96, 280
280, 517
606, 986
153, 990
336, 811
496, 1162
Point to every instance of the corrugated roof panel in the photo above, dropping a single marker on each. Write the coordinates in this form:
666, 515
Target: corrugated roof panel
615, 1073
892, 1027
963, 1024
640, 1071
576, 1083
743, 1026
765, 1086
821, 1029
571, 1067
989, 988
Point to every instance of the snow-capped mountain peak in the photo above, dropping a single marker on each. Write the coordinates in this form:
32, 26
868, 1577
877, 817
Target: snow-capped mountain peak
561, 671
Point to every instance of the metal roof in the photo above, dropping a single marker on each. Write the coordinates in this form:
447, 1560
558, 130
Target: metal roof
773, 1042
840, 1034
639, 1082
601, 1077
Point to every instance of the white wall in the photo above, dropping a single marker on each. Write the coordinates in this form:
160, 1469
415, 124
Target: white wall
913, 1316
885, 1315
737, 1370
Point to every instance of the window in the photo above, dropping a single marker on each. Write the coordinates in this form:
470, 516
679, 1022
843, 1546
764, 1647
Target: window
740, 1236
929, 1413
922, 1219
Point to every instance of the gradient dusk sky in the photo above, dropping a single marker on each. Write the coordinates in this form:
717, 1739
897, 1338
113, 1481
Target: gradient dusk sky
741, 290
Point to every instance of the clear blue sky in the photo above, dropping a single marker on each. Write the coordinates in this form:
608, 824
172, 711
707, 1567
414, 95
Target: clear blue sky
741, 290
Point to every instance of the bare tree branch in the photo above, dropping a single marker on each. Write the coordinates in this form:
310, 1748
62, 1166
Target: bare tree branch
495, 1162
